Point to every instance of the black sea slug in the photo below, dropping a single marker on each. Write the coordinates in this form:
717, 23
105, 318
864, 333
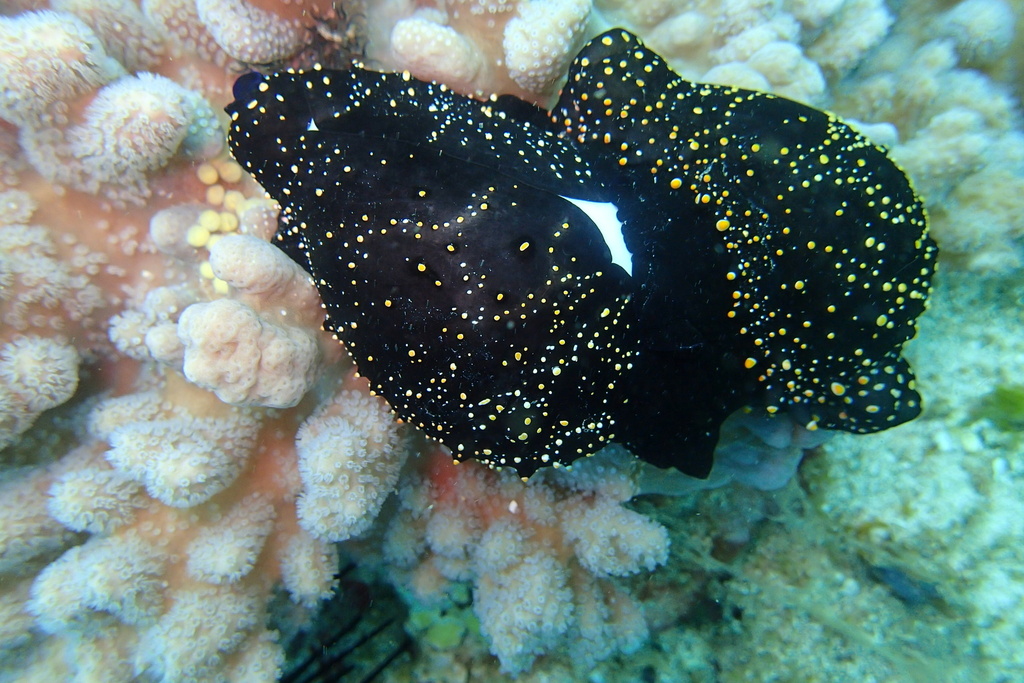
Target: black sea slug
633, 266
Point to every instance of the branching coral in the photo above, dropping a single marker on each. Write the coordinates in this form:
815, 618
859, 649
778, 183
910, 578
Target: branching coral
959, 132
483, 46
185, 504
350, 454
539, 556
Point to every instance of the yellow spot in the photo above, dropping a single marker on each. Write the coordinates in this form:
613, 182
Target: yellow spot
206, 270
838, 389
387, 303
207, 174
556, 371
228, 221
229, 171
524, 246
676, 183
722, 225
233, 200
420, 267
749, 363
197, 236
412, 353
215, 194
210, 220
881, 320
220, 286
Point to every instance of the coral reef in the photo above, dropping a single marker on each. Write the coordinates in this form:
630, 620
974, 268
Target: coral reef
181, 442
537, 557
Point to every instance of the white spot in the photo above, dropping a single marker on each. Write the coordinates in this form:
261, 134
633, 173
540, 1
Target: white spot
311, 126
605, 217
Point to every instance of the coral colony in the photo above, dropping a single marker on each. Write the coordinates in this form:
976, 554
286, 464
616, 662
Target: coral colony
640, 267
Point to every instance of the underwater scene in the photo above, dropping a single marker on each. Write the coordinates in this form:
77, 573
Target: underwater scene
647, 341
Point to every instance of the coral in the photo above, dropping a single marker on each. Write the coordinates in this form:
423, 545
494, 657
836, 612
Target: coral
251, 31
120, 576
44, 301
180, 458
850, 34
229, 350
94, 497
196, 637
350, 453
958, 129
127, 34
540, 556
131, 128
226, 551
248, 33
29, 534
38, 373
155, 536
436, 52
307, 569
49, 59
540, 41
521, 47
981, 29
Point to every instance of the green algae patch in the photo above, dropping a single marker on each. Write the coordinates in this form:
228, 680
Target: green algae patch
1004, 406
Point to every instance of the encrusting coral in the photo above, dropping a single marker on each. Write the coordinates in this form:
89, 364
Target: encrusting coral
181, 438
